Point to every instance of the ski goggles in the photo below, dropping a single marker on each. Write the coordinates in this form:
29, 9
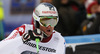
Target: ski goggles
46, 21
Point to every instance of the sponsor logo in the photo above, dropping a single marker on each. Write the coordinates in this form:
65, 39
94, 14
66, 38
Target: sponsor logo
13, 36
49, 6
41, 47
49, 12
28, 52
21, 29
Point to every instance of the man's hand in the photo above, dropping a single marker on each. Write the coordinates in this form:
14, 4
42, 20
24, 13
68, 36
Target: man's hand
32, 35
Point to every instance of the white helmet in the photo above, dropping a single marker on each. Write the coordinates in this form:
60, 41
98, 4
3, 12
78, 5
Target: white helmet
46, 11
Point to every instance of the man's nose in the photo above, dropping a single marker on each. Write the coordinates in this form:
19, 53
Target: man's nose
49, 26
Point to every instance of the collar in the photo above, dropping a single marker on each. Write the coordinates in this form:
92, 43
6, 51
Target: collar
47, 39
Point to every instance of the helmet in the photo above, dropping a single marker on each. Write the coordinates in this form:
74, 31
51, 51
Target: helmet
45, 14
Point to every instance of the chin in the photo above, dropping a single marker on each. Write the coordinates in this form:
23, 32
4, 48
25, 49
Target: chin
49, 34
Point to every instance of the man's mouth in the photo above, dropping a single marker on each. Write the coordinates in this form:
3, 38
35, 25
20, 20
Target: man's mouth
48, 30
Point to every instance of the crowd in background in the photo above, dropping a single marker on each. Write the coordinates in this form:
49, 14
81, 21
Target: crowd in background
77, 17
1, 21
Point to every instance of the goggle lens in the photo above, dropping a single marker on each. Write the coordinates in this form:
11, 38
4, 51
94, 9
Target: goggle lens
46, 21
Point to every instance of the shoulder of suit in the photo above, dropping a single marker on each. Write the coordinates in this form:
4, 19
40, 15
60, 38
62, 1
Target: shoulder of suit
57, 34
28, 25
24, 28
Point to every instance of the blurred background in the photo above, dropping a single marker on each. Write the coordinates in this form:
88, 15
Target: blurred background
15, 13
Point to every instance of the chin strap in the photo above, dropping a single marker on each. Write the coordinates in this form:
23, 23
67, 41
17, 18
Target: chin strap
45, 35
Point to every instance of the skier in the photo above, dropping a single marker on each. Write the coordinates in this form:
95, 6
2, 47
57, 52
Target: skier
40, 38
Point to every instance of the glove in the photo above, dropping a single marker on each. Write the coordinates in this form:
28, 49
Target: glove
32, 35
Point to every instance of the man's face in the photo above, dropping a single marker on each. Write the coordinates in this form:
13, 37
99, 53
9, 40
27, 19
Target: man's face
47, 30
47, 24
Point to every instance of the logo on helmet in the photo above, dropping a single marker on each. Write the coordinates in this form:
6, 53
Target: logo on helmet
51, 7
51, 12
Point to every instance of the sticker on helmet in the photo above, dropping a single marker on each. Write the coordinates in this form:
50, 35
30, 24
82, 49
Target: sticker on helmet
51, 7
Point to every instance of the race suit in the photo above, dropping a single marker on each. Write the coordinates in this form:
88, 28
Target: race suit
13, 44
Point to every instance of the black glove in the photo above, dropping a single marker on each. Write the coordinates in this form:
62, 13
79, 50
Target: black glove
32, 35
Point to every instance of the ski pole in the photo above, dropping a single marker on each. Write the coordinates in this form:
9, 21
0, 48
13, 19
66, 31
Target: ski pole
37, 46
